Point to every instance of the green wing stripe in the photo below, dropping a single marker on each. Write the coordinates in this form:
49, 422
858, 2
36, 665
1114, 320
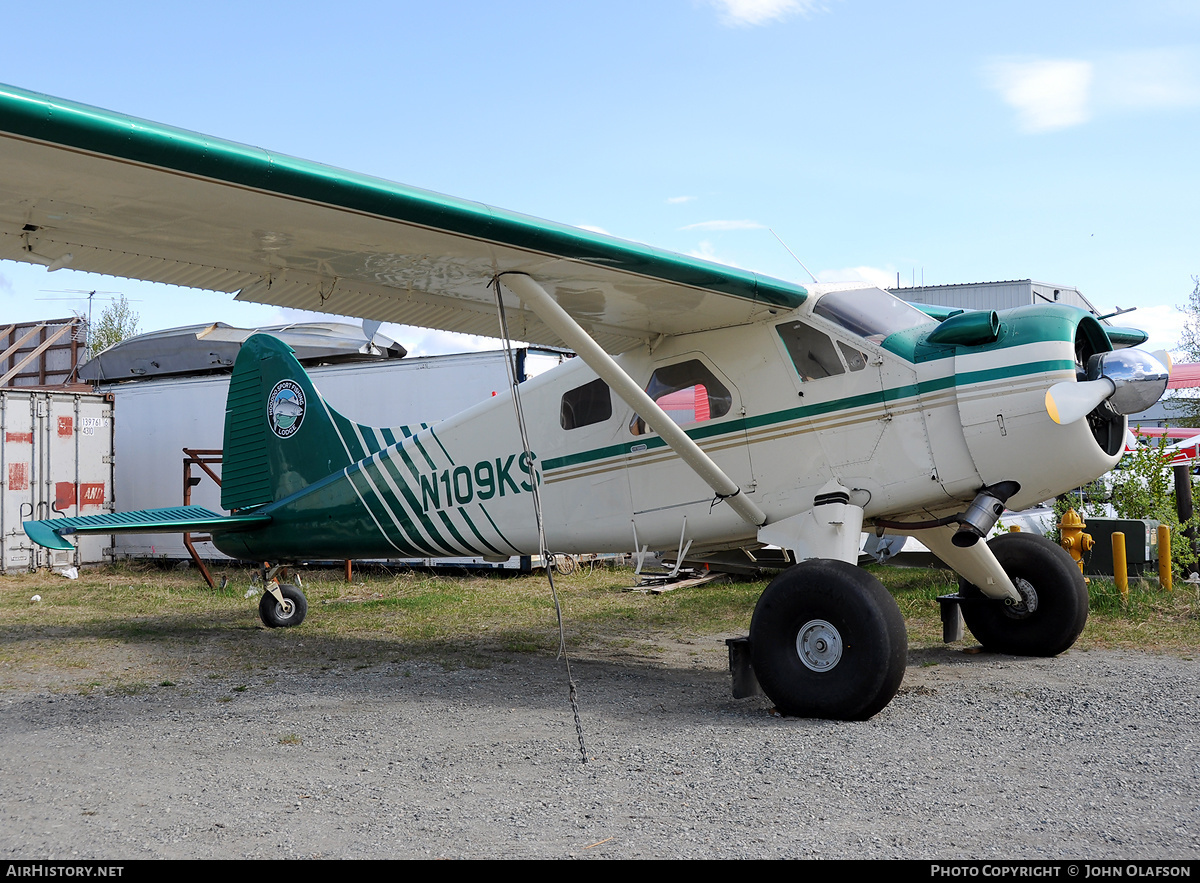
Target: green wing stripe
95, 130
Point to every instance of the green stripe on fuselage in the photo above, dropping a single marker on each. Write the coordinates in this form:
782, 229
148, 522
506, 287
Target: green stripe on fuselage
890, 396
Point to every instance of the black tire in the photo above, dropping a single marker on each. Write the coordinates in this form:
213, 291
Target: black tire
828, 641
279, 616
1048, 574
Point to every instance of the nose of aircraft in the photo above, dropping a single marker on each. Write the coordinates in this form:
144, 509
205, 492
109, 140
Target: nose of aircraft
1125, 381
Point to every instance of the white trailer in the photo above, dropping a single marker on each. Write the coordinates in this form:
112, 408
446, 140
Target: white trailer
55, 461
156, 419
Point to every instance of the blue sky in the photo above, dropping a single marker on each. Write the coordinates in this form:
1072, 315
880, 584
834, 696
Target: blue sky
938, 141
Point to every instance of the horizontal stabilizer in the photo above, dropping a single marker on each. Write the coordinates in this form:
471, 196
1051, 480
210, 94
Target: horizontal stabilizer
176, 519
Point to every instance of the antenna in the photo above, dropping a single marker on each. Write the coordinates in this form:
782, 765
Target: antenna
104, 295
793, 254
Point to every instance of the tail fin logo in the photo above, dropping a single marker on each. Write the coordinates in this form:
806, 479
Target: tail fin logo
285, 408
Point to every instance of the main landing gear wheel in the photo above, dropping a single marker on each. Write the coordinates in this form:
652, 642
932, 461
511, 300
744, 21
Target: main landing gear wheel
827, 640
291, 612
1054, 605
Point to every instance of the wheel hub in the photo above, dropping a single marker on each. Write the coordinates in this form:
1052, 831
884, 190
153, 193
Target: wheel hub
1028, 603
819, 645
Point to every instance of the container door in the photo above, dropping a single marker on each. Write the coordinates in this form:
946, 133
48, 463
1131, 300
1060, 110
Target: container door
16, 480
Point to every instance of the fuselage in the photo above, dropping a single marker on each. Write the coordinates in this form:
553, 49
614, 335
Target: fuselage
846, 387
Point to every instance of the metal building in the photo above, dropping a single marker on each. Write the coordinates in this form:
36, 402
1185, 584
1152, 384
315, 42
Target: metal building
995, 295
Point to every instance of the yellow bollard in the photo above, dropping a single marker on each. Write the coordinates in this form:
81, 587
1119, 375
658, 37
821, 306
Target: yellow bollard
1120, 567
1164, 557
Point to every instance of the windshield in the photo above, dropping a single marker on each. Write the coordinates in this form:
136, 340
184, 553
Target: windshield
869, 312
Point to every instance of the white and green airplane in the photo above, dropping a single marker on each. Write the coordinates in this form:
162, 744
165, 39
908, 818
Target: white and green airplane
709, 408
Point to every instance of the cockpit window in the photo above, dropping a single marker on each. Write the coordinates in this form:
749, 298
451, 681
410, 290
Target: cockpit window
811, 351
688, 392
869, 312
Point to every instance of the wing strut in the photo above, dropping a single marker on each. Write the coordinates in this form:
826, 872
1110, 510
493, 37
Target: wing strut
555, 317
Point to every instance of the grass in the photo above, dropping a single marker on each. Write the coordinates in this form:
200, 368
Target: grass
127, 627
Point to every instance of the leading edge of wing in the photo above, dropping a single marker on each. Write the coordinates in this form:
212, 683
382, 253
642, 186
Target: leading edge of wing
81, 129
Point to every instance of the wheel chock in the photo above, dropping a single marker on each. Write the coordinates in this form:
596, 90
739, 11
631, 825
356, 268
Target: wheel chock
745, 684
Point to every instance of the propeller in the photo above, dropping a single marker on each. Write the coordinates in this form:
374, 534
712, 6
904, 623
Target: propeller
1128, 380
1069, 401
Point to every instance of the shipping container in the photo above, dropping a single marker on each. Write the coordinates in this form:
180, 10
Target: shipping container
56, 460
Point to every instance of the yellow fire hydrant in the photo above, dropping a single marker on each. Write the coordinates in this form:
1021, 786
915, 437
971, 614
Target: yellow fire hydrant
1072, 538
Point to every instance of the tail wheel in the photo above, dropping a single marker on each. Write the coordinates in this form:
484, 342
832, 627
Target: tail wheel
1054, 599
827, 640
278, 615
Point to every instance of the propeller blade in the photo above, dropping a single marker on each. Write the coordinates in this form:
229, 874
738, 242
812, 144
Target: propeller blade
369, 327
1069, 401
1164, 357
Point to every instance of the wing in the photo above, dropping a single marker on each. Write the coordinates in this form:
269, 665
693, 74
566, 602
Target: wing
98, 191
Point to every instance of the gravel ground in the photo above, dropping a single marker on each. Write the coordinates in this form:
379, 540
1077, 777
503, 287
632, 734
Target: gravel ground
1090, 755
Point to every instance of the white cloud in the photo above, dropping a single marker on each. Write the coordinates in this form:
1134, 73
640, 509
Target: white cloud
1046, 94
706, 252
1161, 322
751, 13
1151, 78
675, 200
1059, 93
594, 229
725, 225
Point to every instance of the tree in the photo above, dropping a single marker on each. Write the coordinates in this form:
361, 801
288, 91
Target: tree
117, 322
1184, 409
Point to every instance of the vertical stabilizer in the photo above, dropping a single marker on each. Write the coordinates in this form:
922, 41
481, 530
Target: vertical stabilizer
279, 434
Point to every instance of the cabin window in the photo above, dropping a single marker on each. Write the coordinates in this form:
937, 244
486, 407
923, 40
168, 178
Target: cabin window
585, 405
811, 351
688, 392
855, 360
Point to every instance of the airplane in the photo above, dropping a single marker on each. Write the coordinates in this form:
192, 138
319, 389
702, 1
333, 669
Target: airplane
806, 413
